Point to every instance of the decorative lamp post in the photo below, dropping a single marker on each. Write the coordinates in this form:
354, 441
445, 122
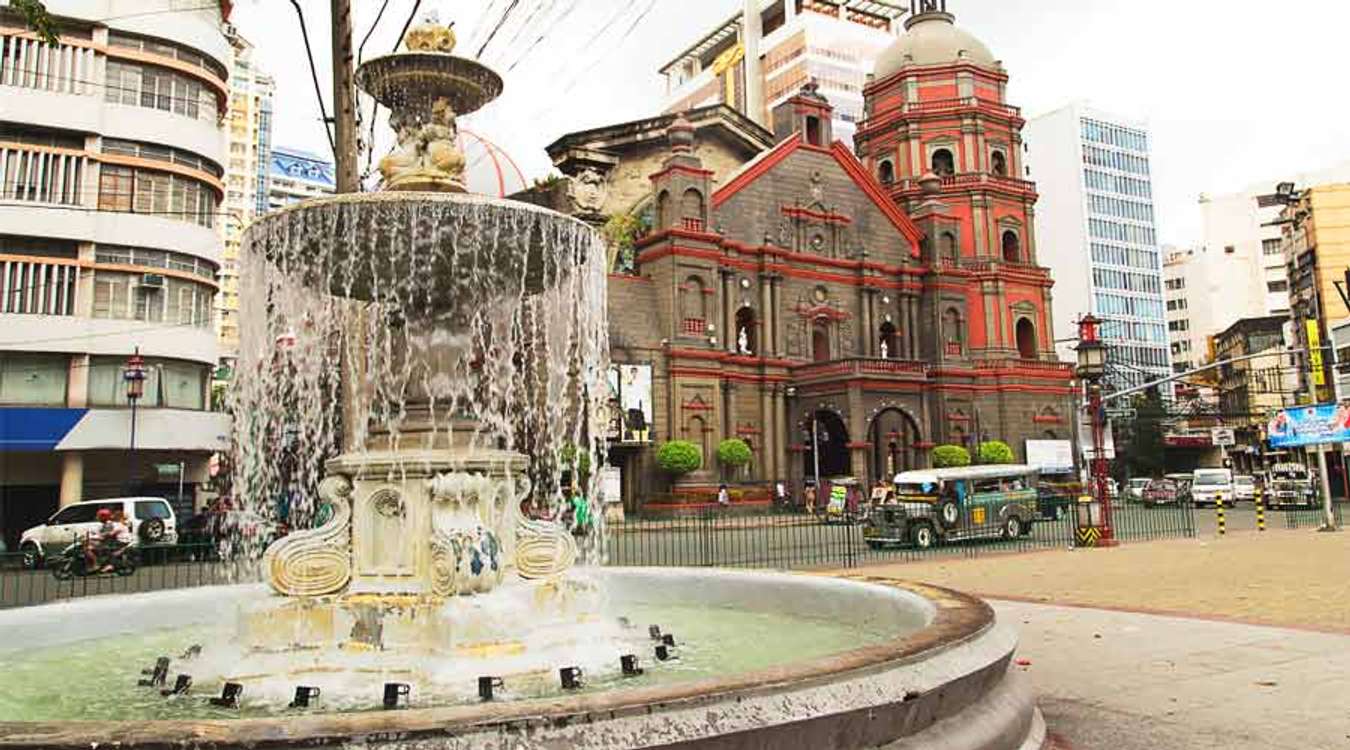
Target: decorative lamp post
134, 377
1091, 369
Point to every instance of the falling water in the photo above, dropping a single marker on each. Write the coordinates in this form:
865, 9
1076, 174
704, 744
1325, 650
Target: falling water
377, 322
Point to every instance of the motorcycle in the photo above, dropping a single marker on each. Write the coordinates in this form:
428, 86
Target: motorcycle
72, 562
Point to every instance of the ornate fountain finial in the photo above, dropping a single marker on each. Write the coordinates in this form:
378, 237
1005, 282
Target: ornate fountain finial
430, 35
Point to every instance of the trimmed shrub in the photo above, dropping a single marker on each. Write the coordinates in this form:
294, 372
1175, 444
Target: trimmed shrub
679, 457
996, 452
733, 453
949, 456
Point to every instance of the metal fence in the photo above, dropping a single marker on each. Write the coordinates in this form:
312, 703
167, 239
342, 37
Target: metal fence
1309, 518
700, 538
716, 538
167, 567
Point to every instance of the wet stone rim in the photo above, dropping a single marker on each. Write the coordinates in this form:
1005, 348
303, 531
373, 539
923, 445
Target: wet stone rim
958, 619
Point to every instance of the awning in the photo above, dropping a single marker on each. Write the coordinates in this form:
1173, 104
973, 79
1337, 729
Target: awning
156, 429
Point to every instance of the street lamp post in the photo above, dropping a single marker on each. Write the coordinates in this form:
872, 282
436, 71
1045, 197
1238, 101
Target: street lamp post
134, 377
1091, 369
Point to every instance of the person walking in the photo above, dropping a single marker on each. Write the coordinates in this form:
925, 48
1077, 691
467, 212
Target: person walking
723, 497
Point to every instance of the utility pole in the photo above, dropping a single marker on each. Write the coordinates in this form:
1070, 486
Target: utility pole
344, 98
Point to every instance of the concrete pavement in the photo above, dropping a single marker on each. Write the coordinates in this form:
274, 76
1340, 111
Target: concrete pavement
1123, 681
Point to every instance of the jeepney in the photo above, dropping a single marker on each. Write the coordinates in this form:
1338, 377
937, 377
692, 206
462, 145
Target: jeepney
1289, 484
947, 505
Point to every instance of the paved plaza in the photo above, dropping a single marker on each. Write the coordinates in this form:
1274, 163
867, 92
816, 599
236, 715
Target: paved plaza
1253, 651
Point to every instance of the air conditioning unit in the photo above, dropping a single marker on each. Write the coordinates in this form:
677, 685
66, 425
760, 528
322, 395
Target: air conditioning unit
152, 280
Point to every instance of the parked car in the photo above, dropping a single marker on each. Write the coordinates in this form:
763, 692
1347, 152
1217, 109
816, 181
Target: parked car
947, 505
1134, 490
1163, 492
1244, 488
1212, 486
151, 521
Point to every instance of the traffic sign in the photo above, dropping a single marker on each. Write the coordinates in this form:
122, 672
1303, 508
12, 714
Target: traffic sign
1222, 437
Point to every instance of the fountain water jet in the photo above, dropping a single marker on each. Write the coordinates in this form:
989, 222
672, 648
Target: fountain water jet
463, 337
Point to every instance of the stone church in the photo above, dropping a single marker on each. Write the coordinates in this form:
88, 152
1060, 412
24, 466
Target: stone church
836, 311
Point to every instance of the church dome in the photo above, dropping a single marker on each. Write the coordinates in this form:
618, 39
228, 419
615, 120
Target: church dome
932, 38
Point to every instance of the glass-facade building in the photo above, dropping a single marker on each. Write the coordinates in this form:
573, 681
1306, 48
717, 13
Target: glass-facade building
1098, 234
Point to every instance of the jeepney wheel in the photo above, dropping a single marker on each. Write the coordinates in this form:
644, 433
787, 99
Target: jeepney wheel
1012, 528
949, 514
923, 536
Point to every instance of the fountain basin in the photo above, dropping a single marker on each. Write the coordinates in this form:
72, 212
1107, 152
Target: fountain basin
942, 681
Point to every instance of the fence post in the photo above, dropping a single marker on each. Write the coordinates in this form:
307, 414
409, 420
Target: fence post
1218, 508
1260, 509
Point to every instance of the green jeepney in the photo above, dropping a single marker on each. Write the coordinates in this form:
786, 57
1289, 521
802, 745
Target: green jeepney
947, 505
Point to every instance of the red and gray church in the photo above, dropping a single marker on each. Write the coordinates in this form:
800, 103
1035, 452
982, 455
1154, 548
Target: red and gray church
803, 298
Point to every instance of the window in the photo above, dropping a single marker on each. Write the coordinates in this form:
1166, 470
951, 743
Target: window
886, 173
1026, 339
1271, 247
820, 341
888, 348
692, 306
33, 379
952, 331
153, 87
84, 513
944, 164
1277, 286
115, 188
813, 131
1012, 247
146, 509
746, 331
999, 164
1229, 249
947, 246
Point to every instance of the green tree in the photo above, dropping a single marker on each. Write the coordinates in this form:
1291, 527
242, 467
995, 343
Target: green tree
996, 452
733, 453
679, 457
1144, 454
35, 17
948, 456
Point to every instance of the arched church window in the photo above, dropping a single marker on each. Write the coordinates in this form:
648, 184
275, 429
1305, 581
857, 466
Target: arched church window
813, 134
692, 209
1012, 247
663, 217
1026, 339
886, 173
944, 164
947, 248
953, 331
693, 306
999, 164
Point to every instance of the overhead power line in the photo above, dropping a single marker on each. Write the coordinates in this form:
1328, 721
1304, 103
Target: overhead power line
314, 74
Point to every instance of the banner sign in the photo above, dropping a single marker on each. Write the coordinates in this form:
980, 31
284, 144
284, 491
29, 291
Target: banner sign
1309, 425
1315, 354
630, 403
1051, 456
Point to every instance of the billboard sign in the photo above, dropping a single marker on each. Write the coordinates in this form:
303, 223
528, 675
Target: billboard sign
1051, 456
630, 403
1222, 437
1309, 425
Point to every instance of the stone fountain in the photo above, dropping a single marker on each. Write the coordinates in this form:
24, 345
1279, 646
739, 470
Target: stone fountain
445, 347
439, 298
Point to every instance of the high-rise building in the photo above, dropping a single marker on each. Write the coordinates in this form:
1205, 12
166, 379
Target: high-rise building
1184, 281
1098, 235
111, 167
298, 175
249, 130
1315, 236
834, 43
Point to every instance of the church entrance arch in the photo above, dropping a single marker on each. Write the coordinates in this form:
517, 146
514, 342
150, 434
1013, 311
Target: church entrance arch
831, 438
894, 435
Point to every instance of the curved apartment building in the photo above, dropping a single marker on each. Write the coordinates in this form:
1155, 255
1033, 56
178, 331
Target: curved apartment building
111, 164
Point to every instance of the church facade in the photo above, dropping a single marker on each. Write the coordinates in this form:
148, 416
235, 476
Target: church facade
842, 314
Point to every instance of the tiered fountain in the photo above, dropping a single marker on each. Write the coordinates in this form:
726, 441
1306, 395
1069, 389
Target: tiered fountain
450, 349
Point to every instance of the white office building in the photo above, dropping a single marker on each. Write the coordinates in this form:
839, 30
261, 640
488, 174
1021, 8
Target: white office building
835, 43
1096, 231
111, 167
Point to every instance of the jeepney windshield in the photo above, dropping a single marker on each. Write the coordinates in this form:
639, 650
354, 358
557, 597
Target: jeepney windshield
917, 488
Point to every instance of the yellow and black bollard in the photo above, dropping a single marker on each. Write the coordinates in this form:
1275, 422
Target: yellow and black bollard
1260, 509
1218, 507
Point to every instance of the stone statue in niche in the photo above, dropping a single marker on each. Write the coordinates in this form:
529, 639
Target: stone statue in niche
885, 350
589, 190
743, 342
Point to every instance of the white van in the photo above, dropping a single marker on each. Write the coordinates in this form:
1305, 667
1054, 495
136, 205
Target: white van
151, 521
1212, 486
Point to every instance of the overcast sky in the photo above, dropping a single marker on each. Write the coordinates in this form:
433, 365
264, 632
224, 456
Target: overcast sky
1235, 92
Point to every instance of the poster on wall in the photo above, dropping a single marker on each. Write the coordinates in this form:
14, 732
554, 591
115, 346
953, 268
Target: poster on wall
630, 403
1309, 425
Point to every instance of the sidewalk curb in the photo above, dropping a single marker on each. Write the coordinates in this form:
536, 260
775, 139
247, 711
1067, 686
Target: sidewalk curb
1203, 617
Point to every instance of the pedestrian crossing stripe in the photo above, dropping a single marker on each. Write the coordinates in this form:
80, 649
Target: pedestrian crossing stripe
1089, 536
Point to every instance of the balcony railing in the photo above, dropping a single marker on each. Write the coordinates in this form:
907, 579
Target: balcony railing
1049, 366
692, 225
862, 366
42, 174
969, 102
32, 287
29, 63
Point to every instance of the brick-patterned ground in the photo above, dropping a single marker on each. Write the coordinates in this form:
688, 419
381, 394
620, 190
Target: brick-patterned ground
1287, 578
